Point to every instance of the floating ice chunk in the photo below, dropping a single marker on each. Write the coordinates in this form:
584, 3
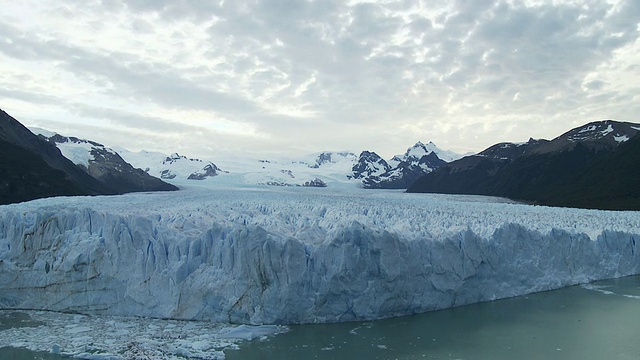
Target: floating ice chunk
89, 356
598, 289
248, 332
77, 330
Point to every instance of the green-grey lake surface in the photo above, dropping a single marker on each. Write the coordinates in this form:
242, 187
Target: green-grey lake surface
595, 321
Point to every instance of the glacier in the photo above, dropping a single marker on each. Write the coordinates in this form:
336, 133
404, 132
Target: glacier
298, 255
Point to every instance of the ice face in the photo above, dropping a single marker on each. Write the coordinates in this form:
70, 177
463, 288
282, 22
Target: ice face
297, 256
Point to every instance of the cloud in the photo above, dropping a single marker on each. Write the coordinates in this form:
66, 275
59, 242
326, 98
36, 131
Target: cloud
301, 74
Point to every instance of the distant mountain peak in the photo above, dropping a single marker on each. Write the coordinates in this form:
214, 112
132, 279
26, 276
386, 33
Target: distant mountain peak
420, 149
332, 157
208, 170
369, 164
174, 157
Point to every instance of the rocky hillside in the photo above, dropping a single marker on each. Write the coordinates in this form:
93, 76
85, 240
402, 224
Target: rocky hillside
32, 167
592, 166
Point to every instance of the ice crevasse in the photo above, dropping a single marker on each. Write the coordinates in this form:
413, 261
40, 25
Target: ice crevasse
266, 257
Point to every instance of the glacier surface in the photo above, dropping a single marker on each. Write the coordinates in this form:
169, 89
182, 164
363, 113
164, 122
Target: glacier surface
283, 256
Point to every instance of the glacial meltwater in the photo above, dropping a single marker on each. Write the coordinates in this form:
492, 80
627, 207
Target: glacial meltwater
594, 321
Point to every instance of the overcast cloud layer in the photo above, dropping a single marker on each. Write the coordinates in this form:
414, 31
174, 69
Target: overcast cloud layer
299, 76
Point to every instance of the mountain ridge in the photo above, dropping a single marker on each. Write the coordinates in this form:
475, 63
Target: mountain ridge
558, 172
33, 167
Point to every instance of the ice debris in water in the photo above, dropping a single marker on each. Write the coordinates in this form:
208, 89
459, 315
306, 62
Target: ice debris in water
120, 338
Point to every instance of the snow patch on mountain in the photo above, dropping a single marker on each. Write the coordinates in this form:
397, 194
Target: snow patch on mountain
589, 132
608, 130
602, 130
621, 139
40, 131
79, 151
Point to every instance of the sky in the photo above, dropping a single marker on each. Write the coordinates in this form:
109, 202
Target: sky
288, 77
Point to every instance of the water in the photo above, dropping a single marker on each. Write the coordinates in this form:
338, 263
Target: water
596, 321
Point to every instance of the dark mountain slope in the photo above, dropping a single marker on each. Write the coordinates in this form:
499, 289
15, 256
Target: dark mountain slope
108, 167
594, 166
31, 168
612, 182
26, 176
13, 132
469, 175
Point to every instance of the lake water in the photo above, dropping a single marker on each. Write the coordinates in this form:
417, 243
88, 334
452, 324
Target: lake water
595, 321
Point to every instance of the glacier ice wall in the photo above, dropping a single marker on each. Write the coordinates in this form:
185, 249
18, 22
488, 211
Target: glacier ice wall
297, 257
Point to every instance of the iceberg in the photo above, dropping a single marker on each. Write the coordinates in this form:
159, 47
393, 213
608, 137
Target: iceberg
298, 255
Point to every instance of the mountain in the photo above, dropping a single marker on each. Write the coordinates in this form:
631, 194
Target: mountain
417, 151
404, 170
331, 158
369, 164
170, 167
106, 165
31, 168
591, 166
327, 168
24, 176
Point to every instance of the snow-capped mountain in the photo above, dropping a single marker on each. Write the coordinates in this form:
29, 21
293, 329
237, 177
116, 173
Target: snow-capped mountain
369, 164
404, 170
329, 168
598, 135
330, 158
417, 151
314, 170
33, 167
592, 166
104, 164
171, 167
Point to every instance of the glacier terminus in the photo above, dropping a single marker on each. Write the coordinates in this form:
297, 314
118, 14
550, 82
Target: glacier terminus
298, 255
